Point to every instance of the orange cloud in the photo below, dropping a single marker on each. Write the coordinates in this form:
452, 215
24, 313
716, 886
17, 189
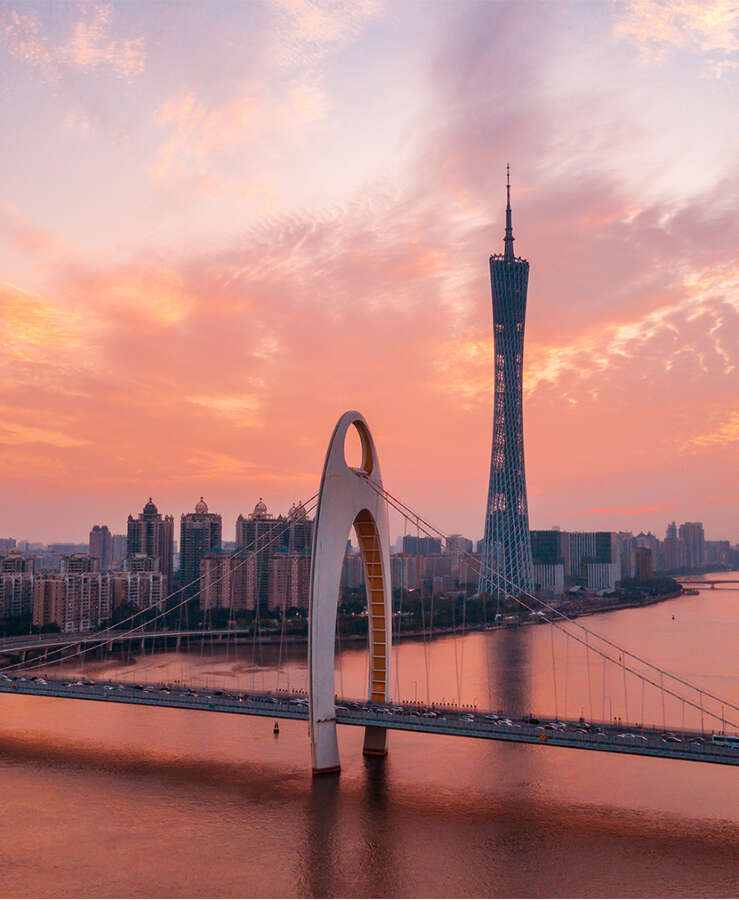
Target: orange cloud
727, 432
25, 235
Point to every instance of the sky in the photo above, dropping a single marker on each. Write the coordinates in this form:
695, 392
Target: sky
224, 224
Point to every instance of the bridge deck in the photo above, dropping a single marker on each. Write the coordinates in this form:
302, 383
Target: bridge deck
691, 746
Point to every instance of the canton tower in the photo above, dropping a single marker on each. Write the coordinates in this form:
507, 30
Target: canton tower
506, 551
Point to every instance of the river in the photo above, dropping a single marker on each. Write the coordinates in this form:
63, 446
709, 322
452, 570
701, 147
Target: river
107, 800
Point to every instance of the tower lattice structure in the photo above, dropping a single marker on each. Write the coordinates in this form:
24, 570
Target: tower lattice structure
506, 551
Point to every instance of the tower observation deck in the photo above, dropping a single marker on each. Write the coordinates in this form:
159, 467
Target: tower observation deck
506, 552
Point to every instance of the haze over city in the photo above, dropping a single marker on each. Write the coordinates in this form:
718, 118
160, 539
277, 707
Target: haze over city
218, 231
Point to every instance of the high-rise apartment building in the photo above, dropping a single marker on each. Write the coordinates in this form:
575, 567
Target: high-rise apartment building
717, 552
259, 537
506, 553
352, 573
152, 534
692, 534
602, 576
457, 543
420, 546
85, 601
627, 548
582, 549
674, 550
82, 601
118, 543
289, 581
602, 547
406, 571
16, 564
644, 563
200, 533
77, 563
101, 546
48, 600
551, 547
140, 562
16, 594
139, 589
549, 578
222, 579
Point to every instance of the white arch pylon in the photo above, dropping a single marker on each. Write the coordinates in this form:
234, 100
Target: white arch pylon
346, 498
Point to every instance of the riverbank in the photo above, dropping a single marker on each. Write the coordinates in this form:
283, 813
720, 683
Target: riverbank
437, 631
275, 638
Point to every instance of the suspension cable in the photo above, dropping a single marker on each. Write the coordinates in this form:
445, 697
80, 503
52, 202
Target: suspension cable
431, 530
435, 531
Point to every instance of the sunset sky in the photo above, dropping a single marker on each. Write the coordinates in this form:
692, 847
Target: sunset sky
224, 224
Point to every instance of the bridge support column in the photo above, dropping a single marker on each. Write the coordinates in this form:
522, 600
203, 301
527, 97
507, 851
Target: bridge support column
178, 642
375, 741
348, 497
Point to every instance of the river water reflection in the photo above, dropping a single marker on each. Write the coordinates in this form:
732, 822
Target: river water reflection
103, 800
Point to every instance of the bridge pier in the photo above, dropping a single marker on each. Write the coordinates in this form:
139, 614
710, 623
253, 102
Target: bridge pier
348, 499
375, 741
178, 642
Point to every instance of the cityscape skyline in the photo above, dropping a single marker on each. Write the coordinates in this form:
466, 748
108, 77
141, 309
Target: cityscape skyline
396, 534
81, 587
252, 522
164, 338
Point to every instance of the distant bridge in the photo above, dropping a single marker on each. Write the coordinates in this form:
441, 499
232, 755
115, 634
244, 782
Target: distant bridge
707, 581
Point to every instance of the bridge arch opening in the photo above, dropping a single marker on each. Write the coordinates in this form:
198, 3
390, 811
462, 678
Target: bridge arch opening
348, 497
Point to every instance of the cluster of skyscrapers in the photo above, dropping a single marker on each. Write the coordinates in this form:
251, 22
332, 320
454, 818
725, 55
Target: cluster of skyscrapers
79, 587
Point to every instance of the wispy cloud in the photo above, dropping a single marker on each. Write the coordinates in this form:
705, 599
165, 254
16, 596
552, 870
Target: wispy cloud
200, 133
241, 409
309, 29
660, 26
89, 45
12, 433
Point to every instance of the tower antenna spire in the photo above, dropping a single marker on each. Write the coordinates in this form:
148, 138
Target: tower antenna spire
508, 226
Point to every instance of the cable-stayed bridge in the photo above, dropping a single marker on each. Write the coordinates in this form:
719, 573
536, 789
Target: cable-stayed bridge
657, 713
436, 719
